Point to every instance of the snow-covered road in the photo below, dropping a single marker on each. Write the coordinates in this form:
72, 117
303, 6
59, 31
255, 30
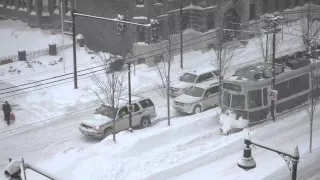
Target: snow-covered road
57, 136
35, 144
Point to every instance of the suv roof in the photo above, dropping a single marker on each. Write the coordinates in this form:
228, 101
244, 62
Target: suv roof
202, 70
124, 100
207, 84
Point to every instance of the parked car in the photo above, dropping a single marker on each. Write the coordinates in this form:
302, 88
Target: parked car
198, 98
193, 77
100, 125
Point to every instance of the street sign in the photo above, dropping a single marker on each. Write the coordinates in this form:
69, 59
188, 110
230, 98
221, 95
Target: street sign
273, 95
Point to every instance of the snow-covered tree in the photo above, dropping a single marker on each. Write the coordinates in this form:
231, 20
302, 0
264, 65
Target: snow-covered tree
164, 71
109, 85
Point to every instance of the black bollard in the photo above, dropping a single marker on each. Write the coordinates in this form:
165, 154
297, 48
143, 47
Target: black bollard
22, 55
80, 40
52, 49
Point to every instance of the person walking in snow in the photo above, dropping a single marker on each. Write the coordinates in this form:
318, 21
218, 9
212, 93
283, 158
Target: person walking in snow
6, 108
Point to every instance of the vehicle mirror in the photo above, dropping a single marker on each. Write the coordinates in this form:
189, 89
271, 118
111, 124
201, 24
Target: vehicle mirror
180, 78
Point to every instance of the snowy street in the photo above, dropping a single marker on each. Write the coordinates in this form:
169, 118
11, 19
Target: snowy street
48, 108
59, 135
47, 140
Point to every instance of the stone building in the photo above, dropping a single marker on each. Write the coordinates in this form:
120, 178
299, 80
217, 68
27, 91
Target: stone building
200, 20
37, 13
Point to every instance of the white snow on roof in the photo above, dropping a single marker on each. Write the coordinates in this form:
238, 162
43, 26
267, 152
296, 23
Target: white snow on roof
202, 70
140, 17
208, 83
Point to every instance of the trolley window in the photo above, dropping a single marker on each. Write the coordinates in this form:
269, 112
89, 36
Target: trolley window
254, 99
226, 99
232, 87
265, 96
238, 101
283, 90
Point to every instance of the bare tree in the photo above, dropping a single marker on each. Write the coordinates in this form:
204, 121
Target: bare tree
309, 33
264, 45
109, 86
163, 70
221, 59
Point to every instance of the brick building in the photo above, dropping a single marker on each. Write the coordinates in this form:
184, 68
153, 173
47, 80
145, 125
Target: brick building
200, 19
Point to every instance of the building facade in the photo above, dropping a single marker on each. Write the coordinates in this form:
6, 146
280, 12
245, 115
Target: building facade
200, 20
37, 13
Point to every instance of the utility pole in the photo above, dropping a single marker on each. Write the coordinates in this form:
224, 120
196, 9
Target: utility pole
273, 71
181, 36
62, 36
312, 76
220, 64
272, 22
267, 47
129, 89
75, 73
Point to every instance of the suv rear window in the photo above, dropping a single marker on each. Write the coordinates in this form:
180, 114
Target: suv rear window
146, 103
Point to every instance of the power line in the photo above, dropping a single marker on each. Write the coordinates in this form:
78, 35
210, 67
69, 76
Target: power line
109, 63
103, 73
72, 73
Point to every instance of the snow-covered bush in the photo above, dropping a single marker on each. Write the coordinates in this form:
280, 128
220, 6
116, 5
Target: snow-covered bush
53, 62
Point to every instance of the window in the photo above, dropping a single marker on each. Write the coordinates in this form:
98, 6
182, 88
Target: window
195, 91
254, 99
136, 108
238, 101
231, 87
226, 99
158, 59
276, 5
123, 111
212, 90
187, 77
141, 34
141, 60
265, 96
146, 103
304, 82
282, 89
252, 11
210, 46
265, 6
210, 20
204, 77
287, 3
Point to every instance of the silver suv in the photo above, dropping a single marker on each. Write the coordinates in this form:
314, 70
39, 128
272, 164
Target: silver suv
193, 77
100, 125
198, 98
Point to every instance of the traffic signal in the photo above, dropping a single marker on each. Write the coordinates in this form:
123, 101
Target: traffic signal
155, 31
121, 27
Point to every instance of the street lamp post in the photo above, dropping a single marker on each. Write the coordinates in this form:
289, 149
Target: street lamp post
247, 162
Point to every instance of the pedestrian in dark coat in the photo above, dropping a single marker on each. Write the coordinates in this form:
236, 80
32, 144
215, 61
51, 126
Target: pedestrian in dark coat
6, 108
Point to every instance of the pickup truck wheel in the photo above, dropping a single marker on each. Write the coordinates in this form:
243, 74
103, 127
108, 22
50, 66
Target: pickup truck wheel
197, 109
108, 132
145, 122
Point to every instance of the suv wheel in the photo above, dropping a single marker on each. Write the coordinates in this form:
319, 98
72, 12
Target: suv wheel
108, 132
197, 109
145, 122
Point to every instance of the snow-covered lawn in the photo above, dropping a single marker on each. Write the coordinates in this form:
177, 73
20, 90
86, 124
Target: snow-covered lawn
16, 35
